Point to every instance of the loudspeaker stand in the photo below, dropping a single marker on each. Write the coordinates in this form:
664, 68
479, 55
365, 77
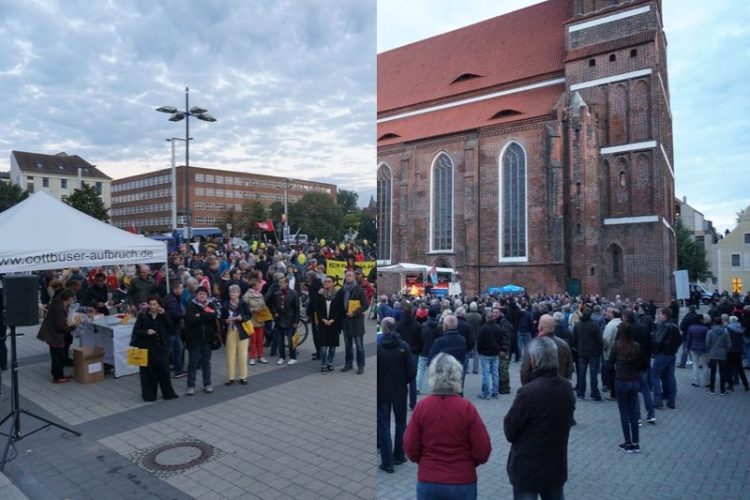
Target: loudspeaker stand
14, 433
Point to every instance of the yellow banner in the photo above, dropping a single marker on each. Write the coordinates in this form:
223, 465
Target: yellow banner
337, 268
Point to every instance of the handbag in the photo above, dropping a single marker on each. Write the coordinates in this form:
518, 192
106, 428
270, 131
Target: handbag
137, 356
247, 327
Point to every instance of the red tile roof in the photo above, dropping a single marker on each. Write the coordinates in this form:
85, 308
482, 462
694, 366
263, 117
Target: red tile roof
509, 48
531, 104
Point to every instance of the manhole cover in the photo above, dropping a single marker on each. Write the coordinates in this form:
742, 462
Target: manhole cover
178, 456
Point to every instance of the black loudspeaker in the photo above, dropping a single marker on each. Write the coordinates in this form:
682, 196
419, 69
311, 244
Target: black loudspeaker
21, 297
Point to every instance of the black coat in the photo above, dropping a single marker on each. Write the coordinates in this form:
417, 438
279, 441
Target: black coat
355, 326
643, 338
587, 338
430, 331
287, 315
201, 324
490, 339
173, 308
410, 332
161, 324
328, 335
537, 426
396, 368
467, 332
452, 343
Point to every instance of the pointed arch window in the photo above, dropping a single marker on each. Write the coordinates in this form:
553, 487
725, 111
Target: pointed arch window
441, 204
385, 214
513, 204
616, 261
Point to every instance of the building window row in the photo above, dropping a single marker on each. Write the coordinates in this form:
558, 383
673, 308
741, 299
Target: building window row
142, 195
241, 181
146, 222
205, 220
201, 205
142, 183
142, 209
245, 195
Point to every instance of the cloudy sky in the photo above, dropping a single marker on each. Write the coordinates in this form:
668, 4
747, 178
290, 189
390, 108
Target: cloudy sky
291, 83
709, 68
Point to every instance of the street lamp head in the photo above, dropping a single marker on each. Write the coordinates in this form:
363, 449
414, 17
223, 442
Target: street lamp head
177, 117
196, 110
167, 109
205, 117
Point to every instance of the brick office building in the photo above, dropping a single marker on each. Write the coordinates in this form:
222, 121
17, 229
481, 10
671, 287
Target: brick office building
145, 201
533, 148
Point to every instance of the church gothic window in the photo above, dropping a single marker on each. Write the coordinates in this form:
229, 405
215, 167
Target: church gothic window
385, 214
441, 210
513, 204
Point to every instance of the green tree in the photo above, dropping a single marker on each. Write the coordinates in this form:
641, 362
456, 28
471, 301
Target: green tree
253, 212
347, 201
368, 230
690, 254
275, 210
231, 216
10, 194
88, 201
317, 216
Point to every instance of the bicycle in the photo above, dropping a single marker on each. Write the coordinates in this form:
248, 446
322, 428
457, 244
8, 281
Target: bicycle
301, 332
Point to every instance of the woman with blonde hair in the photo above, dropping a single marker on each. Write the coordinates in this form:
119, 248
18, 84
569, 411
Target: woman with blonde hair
255, 301
446, 436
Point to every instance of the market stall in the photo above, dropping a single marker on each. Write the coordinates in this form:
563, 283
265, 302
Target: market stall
113, 335
43, 233
415, 278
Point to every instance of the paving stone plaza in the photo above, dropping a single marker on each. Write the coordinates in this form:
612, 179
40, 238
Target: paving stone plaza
701, 450
291, 433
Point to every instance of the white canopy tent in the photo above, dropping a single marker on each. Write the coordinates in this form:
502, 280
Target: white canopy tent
44, 233
405, 267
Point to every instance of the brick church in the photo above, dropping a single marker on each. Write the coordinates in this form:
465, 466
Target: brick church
534, 148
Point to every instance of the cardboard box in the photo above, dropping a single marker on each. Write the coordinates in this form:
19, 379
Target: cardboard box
88, 366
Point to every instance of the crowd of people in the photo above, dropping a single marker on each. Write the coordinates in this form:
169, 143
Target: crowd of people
568, 347
247, 302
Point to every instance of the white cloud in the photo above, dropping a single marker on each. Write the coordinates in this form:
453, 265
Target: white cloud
281, 78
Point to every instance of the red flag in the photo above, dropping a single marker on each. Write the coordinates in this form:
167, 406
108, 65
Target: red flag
265, 226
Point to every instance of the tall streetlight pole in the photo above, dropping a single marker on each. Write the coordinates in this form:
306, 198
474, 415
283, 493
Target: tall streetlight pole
285, 229
174, 181
178, 115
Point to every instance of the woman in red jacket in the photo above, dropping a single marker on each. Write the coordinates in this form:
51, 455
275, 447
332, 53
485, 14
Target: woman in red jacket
446, 436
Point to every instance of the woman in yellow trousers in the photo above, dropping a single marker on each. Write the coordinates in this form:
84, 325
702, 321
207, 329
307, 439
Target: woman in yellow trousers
234, 313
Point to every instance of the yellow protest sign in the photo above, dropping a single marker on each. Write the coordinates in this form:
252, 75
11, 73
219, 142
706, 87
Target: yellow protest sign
337, 268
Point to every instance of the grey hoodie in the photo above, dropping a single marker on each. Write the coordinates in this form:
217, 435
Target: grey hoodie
718, 342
